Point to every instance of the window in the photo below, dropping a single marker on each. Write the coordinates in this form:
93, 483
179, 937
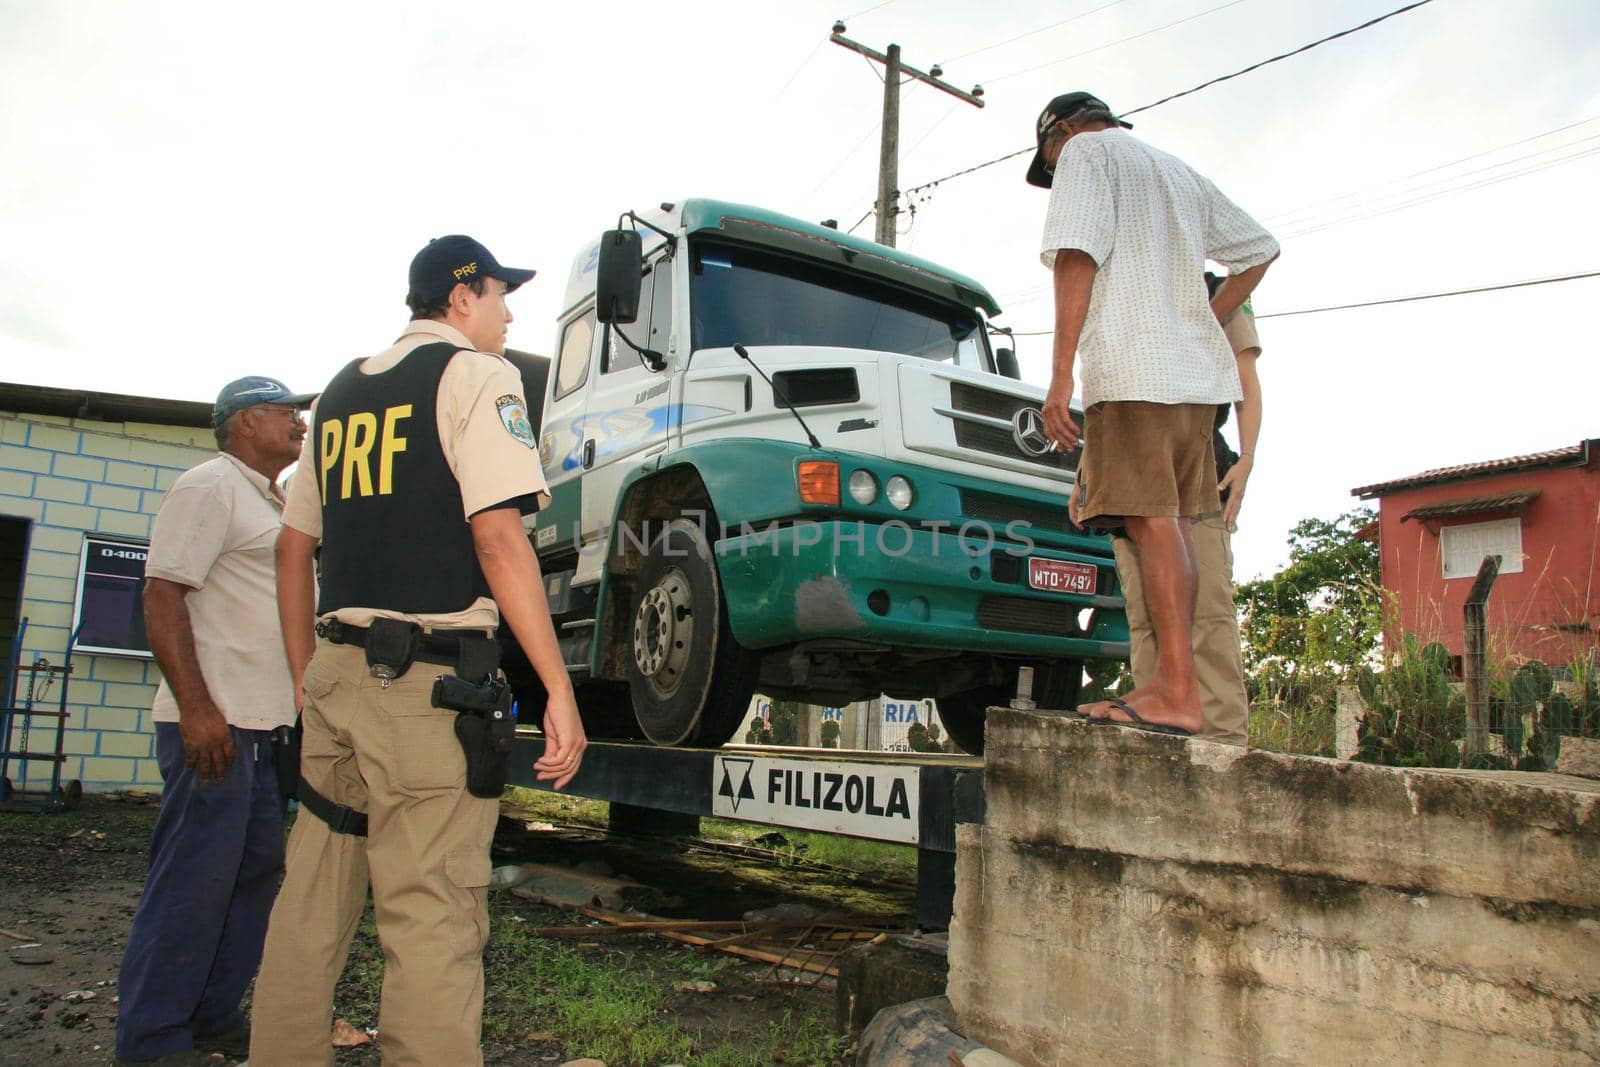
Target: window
1463, 547
577, 342
759, 298
653, 325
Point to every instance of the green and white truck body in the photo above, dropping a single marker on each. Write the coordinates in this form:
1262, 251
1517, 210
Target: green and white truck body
700, 546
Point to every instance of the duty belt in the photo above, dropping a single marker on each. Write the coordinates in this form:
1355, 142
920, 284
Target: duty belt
473, 654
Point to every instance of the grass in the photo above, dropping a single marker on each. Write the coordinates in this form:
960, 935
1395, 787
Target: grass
615, 1001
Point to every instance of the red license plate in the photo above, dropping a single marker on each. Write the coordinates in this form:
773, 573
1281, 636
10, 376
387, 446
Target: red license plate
1060, 576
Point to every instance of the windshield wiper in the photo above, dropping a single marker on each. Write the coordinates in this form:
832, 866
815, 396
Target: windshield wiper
778, 394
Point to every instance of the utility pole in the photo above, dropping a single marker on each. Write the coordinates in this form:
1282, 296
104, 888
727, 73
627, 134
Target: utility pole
887, 205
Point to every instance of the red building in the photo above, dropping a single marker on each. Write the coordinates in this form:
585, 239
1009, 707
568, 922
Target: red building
1540, 513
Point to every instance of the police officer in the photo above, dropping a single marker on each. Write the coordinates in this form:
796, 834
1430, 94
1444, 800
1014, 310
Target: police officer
414, 479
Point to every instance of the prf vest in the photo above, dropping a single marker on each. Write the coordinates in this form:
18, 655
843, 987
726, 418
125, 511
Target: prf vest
394, 536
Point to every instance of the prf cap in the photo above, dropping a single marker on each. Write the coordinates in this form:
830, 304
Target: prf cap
1062, 107
248, 392
447, 261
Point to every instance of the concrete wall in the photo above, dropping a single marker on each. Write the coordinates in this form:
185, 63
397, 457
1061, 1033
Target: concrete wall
68, 477
1141, 899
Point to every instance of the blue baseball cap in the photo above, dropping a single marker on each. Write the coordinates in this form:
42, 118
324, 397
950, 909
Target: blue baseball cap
446, 262
248, 392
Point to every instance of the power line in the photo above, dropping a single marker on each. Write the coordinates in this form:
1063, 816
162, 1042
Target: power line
1174, 96
867, 11
1120, 40
1030, 33
1275, 216
1435, 296
1393, 300
803, 64
1315, 225
1285, 55
847, 157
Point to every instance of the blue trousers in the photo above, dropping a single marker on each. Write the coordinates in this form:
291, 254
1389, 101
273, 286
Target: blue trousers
215, 860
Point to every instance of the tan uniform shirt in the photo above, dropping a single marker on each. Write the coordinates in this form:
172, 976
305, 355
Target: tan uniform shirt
215, 533
491, 463
1240, 329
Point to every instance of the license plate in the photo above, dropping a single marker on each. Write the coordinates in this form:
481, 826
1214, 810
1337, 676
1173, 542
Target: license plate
1060, 576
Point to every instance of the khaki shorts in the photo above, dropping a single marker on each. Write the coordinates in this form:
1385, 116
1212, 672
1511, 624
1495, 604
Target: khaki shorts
1149, 460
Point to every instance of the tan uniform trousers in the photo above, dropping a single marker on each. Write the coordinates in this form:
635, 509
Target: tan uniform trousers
1224, 707
390, 753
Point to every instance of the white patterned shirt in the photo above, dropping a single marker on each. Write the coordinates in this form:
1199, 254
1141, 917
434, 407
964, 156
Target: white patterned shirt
1149, 222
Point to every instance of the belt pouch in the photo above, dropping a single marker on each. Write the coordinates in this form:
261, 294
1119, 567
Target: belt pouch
392, 646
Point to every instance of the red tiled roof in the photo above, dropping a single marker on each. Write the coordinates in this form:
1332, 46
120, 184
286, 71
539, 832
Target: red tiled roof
1574, 455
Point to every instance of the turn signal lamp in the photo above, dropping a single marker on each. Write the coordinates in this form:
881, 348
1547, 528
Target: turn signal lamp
819, 481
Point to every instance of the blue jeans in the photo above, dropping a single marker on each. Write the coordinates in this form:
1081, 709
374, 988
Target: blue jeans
215, 860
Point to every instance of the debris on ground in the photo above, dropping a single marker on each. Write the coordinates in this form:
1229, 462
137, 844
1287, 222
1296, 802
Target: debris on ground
347, 1036
702, 986
567, 887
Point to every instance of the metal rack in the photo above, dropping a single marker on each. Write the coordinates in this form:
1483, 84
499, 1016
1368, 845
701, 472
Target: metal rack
17, 717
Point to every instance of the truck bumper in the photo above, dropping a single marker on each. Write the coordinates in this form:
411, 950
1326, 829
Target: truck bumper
900, 586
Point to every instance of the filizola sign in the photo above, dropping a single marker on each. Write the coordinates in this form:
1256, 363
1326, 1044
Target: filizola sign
873, 800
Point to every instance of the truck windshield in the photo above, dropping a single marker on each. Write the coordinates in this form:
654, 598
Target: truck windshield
746, 295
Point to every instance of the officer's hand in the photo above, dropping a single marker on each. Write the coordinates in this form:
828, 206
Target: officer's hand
564, 740
1233, 484
207, 742
1059, 424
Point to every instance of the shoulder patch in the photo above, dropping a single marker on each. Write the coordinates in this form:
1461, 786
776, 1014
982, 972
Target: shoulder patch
514, 417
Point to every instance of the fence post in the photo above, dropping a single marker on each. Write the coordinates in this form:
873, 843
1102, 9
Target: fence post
1474, 646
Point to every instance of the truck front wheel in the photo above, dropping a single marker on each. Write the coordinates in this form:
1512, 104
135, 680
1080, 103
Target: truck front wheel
689, 680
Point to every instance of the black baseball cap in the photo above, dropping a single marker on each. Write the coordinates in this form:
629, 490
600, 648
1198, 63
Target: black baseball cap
445, 261
1062, 107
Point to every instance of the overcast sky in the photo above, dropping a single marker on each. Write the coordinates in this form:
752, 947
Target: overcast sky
196, 191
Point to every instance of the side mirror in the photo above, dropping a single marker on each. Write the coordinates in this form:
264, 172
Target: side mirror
1005, 361
618, 276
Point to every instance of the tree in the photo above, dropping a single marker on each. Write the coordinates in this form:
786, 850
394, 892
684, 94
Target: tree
1325, 608
830, 733
759, 733
785, 723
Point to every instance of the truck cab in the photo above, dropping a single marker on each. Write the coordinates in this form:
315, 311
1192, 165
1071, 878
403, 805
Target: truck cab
784, 459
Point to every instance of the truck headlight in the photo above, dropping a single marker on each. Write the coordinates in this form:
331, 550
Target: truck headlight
863, 487
898, 491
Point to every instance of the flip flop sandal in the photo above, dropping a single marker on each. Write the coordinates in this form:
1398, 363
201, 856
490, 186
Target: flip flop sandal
1136, 722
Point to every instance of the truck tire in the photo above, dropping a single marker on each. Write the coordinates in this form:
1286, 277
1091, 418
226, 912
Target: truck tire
689, 680
1055, 686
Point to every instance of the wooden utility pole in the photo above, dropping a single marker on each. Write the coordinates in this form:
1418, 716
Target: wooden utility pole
887, 205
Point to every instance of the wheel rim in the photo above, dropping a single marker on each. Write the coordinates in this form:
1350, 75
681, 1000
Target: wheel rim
663, 632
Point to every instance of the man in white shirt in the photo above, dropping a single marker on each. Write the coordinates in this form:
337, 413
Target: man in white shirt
210, 603
1127, 236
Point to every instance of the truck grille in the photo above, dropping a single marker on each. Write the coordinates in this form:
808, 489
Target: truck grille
983, 423
999, 511
1023, 616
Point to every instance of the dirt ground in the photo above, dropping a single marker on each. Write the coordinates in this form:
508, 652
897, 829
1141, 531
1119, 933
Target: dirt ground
69, 883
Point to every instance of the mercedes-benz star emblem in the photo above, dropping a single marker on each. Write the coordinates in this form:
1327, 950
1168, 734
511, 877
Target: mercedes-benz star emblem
1027, 430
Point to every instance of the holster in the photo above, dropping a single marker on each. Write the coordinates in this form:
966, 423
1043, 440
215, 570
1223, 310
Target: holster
286, 758
484, 726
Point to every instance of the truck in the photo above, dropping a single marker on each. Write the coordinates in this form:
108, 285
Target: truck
788, 460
